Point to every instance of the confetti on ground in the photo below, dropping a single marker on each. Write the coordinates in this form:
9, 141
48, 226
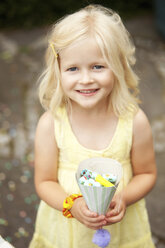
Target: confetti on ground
24, 179
8, 239
8, 166
3, 222
2, 176
22, 214
12, 185
21, 233
28, 220
10, 197
18, 195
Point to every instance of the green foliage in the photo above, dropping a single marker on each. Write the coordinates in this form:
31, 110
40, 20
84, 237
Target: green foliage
28, 13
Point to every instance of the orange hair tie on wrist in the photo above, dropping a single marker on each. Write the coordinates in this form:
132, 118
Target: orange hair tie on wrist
53, 49
68, 203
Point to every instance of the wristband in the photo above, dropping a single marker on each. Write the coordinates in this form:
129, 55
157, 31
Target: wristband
68, 203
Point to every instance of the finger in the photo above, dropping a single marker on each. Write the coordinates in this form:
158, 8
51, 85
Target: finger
85, 210
112, 212
112, 205
116, 218
115, 211
95, 225
99, 219
89, 213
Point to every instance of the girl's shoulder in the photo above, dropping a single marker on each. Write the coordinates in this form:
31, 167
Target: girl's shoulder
45, 134
45, 123
140, 119
46, 118
141, 125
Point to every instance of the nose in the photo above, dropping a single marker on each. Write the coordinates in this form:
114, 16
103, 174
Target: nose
86, 77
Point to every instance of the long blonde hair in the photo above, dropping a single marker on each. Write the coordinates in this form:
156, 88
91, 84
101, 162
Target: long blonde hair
116, 46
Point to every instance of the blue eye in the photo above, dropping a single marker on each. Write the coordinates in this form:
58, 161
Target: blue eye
73, 69
98, 67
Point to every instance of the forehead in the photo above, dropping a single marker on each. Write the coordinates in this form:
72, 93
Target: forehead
86, 49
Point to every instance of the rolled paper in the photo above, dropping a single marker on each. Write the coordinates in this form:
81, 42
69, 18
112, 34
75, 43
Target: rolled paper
82, 180
110, 177
103, 181
94, 175
96, 184
83, 172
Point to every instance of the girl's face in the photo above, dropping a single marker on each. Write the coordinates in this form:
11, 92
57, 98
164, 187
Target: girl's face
86, 78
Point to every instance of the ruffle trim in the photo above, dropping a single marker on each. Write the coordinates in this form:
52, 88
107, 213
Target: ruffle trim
39, 241
145, 242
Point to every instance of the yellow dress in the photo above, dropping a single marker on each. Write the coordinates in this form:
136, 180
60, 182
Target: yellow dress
53, 230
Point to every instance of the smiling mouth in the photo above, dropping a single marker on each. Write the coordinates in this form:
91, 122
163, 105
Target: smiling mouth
88, 91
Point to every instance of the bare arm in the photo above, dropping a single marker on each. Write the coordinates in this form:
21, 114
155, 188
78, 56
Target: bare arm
142, 159
46, 157
143, 165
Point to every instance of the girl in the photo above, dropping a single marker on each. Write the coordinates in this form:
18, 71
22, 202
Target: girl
90, 93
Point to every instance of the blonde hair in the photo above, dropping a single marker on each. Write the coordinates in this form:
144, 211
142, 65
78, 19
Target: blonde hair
107, 29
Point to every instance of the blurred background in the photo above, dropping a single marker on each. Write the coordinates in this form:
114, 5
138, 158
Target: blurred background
23, 30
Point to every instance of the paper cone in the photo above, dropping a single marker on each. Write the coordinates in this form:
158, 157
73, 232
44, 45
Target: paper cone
98, 198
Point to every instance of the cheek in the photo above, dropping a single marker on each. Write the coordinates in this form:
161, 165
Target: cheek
63, 84
111, 80
108, 81
66, 84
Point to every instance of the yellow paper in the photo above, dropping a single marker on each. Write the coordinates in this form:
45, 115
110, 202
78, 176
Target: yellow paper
103, 181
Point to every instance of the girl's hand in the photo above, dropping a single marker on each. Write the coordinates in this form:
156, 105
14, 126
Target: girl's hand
116, 211
90, 219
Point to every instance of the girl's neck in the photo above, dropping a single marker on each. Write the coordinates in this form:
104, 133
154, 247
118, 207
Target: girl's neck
93, 129
82, 114
101, 109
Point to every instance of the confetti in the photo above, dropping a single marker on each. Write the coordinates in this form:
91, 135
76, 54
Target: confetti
21, 230
8, 239
2, 176
3, 222
30, 157
36, 207
21, 233
34, 197
8, 166
24, 179
28, 220
17, 234
22, 214
27, 173
28, 200
12, 185
10, 197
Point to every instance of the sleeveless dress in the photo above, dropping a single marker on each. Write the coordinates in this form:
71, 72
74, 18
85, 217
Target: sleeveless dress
53, 230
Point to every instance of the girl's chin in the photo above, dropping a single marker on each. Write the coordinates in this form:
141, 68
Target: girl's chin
87, 106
